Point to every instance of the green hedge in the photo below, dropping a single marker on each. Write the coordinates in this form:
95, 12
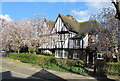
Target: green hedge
112, 68
50, 62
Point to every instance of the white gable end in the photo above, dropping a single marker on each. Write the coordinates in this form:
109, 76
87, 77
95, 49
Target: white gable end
59, 25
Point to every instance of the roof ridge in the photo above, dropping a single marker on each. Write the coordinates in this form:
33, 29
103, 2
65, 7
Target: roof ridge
87, 21
48, 19
79, 27
69, 17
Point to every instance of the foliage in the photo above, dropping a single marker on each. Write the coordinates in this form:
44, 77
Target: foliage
32, 49
112, 68
50, 62
100, 64
70, 62
116, 3
108, 41
30, 32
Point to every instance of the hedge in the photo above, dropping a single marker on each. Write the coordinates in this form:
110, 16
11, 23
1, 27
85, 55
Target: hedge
112, 68
50, 62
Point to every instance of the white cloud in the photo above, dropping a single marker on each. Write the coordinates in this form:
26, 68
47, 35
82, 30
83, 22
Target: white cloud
80, 15
6, 17
92, 8
98, 5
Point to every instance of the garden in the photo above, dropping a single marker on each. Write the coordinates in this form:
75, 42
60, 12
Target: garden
50, 62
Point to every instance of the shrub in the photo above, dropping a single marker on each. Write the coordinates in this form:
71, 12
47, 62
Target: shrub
112, 68
77, 70
70, 62
79, 63
50, 62
32, 49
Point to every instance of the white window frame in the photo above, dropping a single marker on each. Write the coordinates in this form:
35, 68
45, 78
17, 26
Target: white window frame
59, 54
65, 52
101, 56
75, 54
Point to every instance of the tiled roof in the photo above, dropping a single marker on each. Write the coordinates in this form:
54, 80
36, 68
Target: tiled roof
79, 27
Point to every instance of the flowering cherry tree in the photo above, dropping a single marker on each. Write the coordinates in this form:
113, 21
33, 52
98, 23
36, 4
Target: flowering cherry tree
108, 40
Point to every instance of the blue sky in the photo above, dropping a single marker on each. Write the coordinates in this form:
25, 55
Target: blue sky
80, 10
49, 9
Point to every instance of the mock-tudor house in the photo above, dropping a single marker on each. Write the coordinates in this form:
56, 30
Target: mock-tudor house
74, 38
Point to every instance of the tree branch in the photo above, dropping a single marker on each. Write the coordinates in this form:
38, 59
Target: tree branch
114, 3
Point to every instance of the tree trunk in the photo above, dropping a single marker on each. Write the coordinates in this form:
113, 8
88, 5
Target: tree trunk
118, 57
117, 6
18, 51
29, 50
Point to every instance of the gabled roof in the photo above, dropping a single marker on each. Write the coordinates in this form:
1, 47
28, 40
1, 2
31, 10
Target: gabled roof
49, 22
79, 27
71, 24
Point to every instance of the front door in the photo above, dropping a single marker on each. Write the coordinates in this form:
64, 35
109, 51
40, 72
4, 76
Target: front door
91, 57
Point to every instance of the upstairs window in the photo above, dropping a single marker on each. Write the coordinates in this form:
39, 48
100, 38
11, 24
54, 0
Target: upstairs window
62, 37
76, 43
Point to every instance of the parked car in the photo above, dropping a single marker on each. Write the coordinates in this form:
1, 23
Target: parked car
3, 52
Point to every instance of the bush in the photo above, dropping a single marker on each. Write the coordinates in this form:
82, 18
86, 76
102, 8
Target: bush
77, 70
32, 49
70, 62
50, 62
112, 68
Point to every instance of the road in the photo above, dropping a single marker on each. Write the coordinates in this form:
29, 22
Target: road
11, 69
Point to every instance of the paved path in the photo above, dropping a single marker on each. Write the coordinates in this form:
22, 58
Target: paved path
11, 69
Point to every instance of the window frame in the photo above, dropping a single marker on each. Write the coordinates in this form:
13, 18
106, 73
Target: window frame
75, 54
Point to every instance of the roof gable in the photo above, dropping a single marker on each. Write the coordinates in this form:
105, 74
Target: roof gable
69, 23
79, 27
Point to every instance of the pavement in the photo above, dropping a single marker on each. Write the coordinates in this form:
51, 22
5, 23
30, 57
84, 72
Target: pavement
14, 69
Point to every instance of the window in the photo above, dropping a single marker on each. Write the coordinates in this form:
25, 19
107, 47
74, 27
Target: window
99, 55
62, 37
76, 43
59, 54
65, 55
75, 56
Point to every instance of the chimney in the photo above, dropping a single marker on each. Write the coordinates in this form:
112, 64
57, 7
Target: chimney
70, 16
